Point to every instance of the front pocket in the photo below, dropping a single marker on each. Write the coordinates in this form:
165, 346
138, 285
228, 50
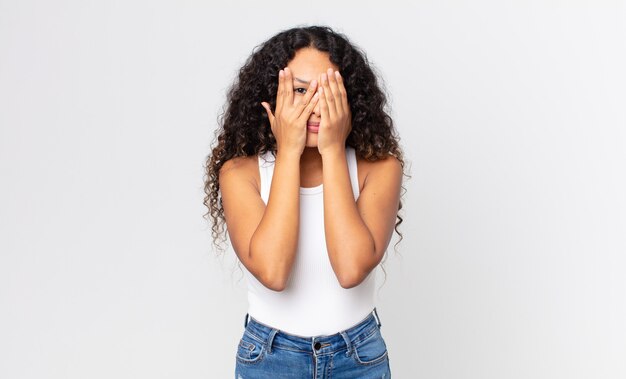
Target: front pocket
249, 350
372, 350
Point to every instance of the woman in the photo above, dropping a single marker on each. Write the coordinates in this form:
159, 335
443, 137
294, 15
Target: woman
307, 174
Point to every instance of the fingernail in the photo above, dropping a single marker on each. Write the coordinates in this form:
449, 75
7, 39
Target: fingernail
313, 82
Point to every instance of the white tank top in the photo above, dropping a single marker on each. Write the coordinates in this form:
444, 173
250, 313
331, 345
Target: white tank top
313, 302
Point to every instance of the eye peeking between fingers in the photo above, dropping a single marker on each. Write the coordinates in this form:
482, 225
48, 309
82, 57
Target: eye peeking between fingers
301, 93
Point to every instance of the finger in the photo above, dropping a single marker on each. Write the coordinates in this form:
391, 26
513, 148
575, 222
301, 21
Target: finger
332, 83
310, 106
270, 115
288, 82
310, 92
279, 91
323, 105
327, 95
342, 91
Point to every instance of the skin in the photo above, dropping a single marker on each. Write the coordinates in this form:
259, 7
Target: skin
357, 233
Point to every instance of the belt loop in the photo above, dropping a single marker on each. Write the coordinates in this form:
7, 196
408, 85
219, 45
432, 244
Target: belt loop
347, 339
270, 340
245, 321
377, 318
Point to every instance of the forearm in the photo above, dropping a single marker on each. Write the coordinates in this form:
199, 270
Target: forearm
276, 238
350, 245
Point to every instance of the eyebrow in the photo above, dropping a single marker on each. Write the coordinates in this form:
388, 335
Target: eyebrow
301, 80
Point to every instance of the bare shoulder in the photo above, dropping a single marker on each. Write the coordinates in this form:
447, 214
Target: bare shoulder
389, 168
242, 169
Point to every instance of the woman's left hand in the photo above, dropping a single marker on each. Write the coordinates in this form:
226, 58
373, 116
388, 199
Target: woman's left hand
336, 119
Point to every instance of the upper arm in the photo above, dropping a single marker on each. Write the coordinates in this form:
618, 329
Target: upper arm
379, 200
243, 206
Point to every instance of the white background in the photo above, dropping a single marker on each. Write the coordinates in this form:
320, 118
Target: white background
512, 116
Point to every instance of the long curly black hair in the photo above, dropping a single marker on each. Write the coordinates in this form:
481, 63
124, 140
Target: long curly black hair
244, 127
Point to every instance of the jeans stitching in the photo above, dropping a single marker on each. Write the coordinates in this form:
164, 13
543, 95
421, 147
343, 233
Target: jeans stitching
258, 359
364, 336
375, 360
255, 337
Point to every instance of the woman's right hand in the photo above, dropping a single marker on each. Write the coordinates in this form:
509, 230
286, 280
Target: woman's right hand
288, 123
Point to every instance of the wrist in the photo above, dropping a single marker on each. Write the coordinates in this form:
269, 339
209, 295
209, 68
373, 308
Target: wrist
333, 152
288, 154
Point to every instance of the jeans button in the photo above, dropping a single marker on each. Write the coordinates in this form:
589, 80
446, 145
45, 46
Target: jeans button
317, 345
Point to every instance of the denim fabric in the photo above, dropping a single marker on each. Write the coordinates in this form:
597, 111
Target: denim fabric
358, 352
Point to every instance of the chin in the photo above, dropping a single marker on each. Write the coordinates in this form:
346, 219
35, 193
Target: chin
311, 140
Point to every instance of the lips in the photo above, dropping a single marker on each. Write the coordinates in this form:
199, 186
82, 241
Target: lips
313, 126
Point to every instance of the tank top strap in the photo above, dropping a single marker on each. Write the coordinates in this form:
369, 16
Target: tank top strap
352, 168
266, 172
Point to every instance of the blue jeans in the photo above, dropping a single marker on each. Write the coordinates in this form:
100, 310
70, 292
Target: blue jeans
358, 352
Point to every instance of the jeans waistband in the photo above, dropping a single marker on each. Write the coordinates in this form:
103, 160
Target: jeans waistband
319, 345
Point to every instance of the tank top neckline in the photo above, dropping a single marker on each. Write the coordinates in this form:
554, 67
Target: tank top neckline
312, 190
